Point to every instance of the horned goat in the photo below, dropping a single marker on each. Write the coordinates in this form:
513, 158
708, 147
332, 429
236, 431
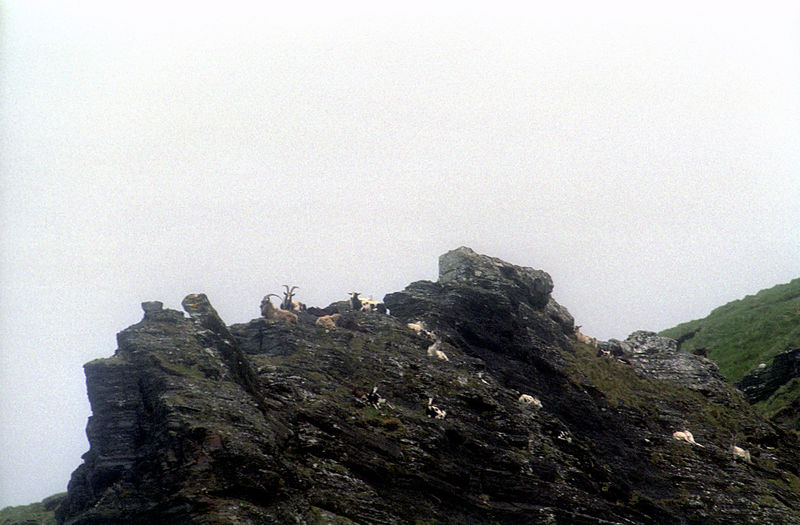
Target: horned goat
270, 312
288, 302
529, 400
585, 339
685, 435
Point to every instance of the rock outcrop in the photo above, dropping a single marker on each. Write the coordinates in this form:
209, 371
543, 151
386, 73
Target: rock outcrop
657, 356
266, 422
760, 383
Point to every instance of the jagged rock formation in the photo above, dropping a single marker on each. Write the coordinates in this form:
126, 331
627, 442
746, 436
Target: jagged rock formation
195, 422
761, 382
657, 356
640, 342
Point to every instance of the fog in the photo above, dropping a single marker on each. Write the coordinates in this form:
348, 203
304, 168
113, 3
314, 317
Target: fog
646, 158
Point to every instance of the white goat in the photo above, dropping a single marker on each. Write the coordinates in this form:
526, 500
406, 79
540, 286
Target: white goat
433, 411
685, 435
530, 401
433, 350
739, 452
418, 327
365, 305
329, 322
270, 312
583, 338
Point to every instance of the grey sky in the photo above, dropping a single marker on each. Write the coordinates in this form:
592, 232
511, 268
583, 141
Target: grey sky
646, 158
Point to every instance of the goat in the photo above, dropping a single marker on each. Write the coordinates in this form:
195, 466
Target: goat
358, 304
374, 398
685, 435
739, 452
355, 302
433, 411
329, 322
418, 327
583, 338
529, 400
270, 312
433, 350
288, 303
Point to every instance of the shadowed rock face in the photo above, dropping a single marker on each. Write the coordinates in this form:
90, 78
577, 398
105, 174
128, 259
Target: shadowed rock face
760, 383
197, 422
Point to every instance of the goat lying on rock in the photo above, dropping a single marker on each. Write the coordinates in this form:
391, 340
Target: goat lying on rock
529, 400
329, 322
358, 304
739, 452
685, 435
270, 312
585, 339
433, 411
434, 350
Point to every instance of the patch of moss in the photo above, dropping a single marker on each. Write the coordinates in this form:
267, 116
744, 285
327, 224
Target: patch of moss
619, 383
41, 513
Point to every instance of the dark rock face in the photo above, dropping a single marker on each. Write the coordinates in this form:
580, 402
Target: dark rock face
760, 383
263, 422
464, 266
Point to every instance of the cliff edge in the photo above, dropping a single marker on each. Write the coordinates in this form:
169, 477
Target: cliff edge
469, 402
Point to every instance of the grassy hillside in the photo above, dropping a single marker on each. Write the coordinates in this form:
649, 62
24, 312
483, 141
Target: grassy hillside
41, 513
744, 333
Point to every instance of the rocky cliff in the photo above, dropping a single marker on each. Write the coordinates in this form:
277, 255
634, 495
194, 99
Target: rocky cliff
763, 381
484, 410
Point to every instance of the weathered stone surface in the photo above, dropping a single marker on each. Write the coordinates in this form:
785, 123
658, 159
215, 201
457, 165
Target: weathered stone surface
657, 356
761, 382
152, 306
467, 267
687, 370
644, 342
264, 422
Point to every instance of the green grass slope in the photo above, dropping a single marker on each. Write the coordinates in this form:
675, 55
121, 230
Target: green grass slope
42, 513
744, 333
